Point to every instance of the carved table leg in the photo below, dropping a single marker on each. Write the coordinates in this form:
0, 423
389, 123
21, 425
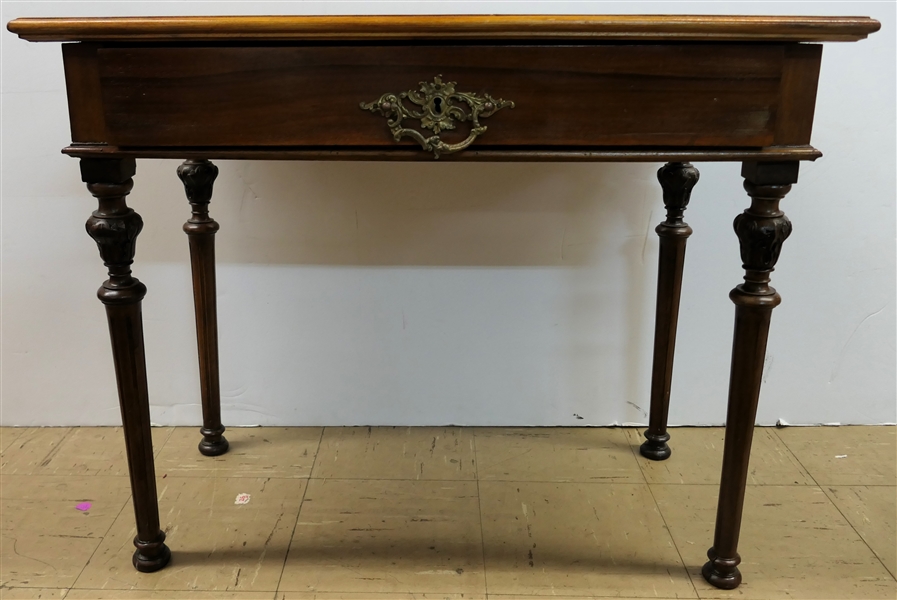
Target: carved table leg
198, 177
677, 180
761, 230
115, 227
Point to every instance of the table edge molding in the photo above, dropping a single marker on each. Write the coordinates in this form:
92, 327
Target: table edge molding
583, 28
770, 154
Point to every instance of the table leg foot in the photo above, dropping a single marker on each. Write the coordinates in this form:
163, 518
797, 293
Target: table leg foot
655, 446
151, 556
722, 572
213, 443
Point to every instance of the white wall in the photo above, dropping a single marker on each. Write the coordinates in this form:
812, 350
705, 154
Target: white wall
434, 293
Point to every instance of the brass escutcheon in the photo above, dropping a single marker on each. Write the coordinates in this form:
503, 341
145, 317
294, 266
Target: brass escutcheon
438, 111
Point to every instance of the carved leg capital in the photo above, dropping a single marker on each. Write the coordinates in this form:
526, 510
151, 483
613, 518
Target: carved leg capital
198, 177
761, 231
677, 180
115, 227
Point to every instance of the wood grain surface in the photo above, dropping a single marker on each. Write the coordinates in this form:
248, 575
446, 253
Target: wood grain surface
609, 95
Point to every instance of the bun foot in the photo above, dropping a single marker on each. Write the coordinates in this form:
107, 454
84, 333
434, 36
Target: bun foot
213, 445
151, 556
655, 446
720, 572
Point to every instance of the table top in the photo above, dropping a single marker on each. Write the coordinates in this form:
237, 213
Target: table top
710, 28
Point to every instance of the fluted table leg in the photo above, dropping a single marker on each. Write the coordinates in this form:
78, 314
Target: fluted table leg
198, 177
761, 231
677, 180
115, 227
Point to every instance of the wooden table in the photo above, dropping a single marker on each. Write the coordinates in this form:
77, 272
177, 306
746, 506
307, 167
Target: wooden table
483, 88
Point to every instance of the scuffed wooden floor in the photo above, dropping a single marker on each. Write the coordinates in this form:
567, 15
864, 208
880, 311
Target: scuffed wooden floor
447, 512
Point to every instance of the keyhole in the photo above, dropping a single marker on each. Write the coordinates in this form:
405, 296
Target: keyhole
437, 105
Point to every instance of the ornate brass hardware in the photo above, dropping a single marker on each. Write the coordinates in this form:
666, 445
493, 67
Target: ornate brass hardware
438, 112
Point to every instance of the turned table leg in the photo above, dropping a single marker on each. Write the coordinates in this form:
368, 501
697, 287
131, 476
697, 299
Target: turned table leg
198, 177
761, 230
677, 180
115, 227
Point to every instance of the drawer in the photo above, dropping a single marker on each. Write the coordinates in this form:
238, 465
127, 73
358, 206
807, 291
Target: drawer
608, 95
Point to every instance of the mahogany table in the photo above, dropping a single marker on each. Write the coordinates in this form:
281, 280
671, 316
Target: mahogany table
670, 89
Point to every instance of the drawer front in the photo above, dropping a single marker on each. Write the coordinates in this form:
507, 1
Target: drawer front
564, 96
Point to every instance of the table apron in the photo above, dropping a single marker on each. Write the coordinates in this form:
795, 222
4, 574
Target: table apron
565, 96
